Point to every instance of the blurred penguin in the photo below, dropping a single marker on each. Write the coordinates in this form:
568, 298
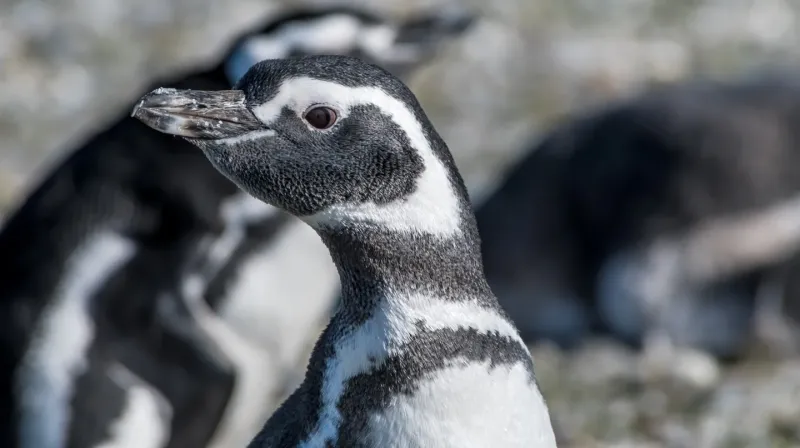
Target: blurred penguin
667, 208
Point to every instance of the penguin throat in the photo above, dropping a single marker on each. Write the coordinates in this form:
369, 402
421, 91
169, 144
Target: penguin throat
373, 263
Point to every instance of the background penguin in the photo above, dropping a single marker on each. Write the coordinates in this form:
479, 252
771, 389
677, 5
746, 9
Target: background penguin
97, 218
533, 256
778, 312
667, 208
419, 352
107, 254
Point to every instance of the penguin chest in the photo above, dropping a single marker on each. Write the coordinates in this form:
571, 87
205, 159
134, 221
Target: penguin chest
471, 405
280, 294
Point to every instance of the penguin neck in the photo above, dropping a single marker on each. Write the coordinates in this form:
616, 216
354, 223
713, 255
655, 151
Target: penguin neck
426, 243
374, 263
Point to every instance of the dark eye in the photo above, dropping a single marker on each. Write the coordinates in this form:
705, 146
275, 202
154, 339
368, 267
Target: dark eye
321, 117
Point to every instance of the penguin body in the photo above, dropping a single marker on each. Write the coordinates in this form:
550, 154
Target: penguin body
418, 352
120, 259
663, 210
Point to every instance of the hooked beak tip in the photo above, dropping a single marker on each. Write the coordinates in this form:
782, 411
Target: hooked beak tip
196, 113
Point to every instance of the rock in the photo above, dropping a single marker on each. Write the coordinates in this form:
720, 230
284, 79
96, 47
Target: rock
683, 368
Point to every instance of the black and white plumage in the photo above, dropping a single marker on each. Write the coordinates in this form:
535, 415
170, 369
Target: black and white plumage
418, 353
84, 287
666, 209
105, 335
399, 45
282, 263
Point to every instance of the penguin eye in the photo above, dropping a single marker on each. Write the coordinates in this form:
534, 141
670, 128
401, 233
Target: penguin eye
321, 117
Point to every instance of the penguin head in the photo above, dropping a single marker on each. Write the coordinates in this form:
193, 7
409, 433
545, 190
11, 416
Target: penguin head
331, 139
396, 45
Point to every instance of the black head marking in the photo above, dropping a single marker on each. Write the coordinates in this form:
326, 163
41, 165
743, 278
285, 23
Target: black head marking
259, 136
374, 185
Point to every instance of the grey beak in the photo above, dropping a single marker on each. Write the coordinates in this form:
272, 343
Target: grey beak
199, 114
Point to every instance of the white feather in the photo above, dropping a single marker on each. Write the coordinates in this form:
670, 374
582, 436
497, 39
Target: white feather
395, 322
254, 386
57, 355
145, 422
258, 377
332, 34
281, 294
467, 405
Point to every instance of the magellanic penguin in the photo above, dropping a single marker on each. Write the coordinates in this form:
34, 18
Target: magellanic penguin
282, 263
252, 255
104, 342
418, 352
665, 210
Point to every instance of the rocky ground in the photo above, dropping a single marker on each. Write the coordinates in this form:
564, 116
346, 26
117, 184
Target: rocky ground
68, 66
607, 396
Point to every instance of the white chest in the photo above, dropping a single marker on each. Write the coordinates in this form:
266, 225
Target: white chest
501, 408
257, 378
274, 306
463, 403
281, 295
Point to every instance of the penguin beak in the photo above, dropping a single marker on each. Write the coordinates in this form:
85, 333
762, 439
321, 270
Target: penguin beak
206, 115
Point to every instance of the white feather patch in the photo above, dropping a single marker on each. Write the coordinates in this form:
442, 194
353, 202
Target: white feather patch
272, 301
246, 412
256, 379
238, 211
145, 422
331, 34
467, 405
57, 355
394, 322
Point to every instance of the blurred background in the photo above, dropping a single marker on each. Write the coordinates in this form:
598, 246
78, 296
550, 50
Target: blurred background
68, 67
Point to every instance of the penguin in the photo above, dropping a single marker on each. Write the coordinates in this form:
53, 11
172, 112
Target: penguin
665, 212
418, 352
79, 258
281, 262
265, 255
118, 263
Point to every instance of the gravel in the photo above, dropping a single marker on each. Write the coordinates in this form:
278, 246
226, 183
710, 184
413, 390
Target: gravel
605, 395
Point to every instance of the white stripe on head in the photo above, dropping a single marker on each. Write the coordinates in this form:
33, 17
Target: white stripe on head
335, 34
432, 208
